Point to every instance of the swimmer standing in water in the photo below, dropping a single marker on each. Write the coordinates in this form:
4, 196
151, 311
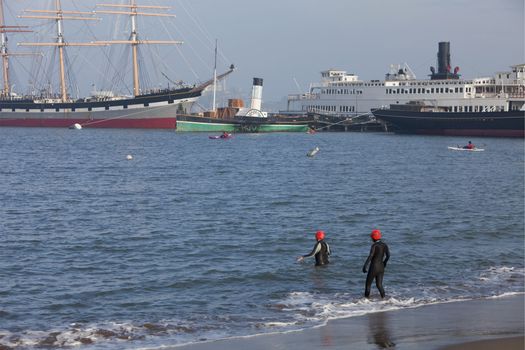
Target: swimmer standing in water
321, 250
376, 270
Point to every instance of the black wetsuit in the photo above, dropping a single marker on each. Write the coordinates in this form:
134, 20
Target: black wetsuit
378, 251
321, 251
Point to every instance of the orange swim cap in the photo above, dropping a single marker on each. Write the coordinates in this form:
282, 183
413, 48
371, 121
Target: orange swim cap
376, 235
319, 235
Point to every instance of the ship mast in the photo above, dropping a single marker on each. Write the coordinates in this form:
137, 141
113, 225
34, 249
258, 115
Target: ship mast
214, 108
134, 36
6, 91
58, 16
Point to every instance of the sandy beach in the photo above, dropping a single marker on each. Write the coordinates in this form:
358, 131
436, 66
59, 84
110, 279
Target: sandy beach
496, 323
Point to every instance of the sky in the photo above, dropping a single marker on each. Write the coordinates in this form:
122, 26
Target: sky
289, 42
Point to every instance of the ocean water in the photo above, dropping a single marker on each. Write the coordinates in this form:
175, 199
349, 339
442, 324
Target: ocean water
196, 239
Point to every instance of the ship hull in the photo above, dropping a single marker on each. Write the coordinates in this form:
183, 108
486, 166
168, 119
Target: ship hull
189, 123
153, 111
493, 124
159, 117
202, 124
142, 123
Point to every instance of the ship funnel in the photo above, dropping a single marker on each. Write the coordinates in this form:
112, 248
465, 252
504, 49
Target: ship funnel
257, 94
443, 57
443, 63
255, 106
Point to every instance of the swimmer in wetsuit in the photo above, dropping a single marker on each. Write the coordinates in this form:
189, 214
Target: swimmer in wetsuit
321, 250
378, 251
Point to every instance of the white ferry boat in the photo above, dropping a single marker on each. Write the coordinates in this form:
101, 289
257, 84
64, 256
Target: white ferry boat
342, 94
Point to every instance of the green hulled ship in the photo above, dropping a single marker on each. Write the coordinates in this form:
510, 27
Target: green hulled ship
190, 123
237, 118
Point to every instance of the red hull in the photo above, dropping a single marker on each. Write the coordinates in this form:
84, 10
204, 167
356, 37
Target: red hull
144, 123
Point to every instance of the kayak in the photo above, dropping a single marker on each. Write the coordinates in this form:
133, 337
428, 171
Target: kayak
465, 149
216, 137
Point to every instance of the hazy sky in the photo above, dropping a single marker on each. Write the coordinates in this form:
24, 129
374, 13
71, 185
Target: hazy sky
289, 41
280, 40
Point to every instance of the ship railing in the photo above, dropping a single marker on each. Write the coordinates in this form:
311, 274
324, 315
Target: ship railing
48, 100
4, 97
517, 95
102, 98
489, 109
498, 94
305, 96
322, 112
504, 95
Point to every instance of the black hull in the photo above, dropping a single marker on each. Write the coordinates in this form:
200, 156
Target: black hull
169, 96
496, 124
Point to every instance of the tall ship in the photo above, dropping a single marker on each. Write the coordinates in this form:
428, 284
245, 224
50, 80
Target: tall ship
144, 108
501, 96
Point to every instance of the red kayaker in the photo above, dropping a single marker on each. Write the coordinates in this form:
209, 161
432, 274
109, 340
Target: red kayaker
469, 146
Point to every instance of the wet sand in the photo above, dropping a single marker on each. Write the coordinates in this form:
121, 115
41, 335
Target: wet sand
476, 324
516, 343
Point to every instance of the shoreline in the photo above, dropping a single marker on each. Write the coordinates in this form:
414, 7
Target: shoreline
461, 325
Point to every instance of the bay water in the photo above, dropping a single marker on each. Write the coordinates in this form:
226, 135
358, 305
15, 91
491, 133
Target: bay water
196, 239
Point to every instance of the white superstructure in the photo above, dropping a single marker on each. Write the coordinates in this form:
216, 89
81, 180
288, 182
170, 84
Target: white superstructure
343, 94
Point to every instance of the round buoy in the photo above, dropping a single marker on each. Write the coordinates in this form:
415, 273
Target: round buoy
76, 126
129, 157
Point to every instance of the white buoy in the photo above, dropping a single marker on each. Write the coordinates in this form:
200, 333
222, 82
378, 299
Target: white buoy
313, 152
76, 126
129, 157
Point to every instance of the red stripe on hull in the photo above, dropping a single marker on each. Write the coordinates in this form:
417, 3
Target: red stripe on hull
143, 123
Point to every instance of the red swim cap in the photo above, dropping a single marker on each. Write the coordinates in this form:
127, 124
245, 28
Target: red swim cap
376, 235
319, 235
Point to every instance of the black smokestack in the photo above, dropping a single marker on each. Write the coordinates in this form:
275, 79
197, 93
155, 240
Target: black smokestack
257, 82
443, 64
443, 57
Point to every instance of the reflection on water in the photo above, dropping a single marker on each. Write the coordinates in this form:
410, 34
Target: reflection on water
379, 330
326, 337
319, 279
